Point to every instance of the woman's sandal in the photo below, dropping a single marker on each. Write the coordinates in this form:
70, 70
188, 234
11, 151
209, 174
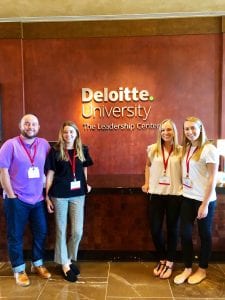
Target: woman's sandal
158, 269
166, 272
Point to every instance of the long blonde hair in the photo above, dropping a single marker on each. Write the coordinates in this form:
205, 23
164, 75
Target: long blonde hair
61, 146
159, 142
202, 139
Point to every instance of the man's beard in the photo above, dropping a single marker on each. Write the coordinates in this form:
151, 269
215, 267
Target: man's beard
28, 136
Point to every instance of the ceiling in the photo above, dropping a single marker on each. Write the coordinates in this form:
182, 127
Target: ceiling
61, 10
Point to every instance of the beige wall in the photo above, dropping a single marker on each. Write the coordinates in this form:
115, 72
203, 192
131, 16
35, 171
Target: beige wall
107, 8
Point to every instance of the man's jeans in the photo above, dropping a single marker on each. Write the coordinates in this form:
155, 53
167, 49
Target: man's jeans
18, 214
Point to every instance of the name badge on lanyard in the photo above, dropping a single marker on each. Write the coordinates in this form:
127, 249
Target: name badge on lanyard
75, 184
164, 179
186, 181
33, 172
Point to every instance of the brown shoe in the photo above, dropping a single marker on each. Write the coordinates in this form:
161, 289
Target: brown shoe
41, 271
22, 278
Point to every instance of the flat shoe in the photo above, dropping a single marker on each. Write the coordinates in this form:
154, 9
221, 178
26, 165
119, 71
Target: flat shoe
42, 271
196, 279
22, 278
181, 278
69, 276
75, 269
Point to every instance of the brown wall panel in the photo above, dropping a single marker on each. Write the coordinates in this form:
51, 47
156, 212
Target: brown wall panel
116, 226
144, 27
223, 24
181, 72
109, 28
119, 222
222, 115
11, 81
10, 30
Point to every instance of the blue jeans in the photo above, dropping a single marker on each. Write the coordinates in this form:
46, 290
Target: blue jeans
189, 211
165, 207
74, 208
18, 214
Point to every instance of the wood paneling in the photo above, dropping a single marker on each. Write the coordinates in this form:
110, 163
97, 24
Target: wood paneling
112, 28
182, 81
11, 81
203, 25
11, 30
119, 222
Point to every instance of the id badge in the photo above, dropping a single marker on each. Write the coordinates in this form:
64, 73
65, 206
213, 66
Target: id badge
187, 182
33, 172
165, 180
75, 185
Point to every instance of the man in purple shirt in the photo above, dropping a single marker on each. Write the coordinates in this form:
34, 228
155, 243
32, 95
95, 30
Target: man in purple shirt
22, 160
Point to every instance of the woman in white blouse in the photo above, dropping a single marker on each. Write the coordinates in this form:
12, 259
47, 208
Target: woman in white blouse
163, 181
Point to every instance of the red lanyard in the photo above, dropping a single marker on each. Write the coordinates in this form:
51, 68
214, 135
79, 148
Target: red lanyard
27, 152
188, 158
165, 161
72, 162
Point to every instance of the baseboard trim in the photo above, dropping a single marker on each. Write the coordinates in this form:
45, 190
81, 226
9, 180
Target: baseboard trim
106, 255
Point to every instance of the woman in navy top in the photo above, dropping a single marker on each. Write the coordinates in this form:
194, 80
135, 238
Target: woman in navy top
66, 187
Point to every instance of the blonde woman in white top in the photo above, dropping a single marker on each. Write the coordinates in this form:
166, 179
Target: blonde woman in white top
199, 168
163, 183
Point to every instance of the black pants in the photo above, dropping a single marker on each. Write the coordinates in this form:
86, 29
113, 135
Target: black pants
189, 211
165, 206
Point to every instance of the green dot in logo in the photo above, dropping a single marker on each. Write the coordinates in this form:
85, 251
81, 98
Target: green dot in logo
151, 98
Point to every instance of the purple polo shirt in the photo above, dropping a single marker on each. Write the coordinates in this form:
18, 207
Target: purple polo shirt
14, 157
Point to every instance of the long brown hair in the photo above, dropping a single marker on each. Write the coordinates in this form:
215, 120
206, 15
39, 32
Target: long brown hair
60, 145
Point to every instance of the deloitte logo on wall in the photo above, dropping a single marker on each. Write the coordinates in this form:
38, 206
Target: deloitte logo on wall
119, 104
